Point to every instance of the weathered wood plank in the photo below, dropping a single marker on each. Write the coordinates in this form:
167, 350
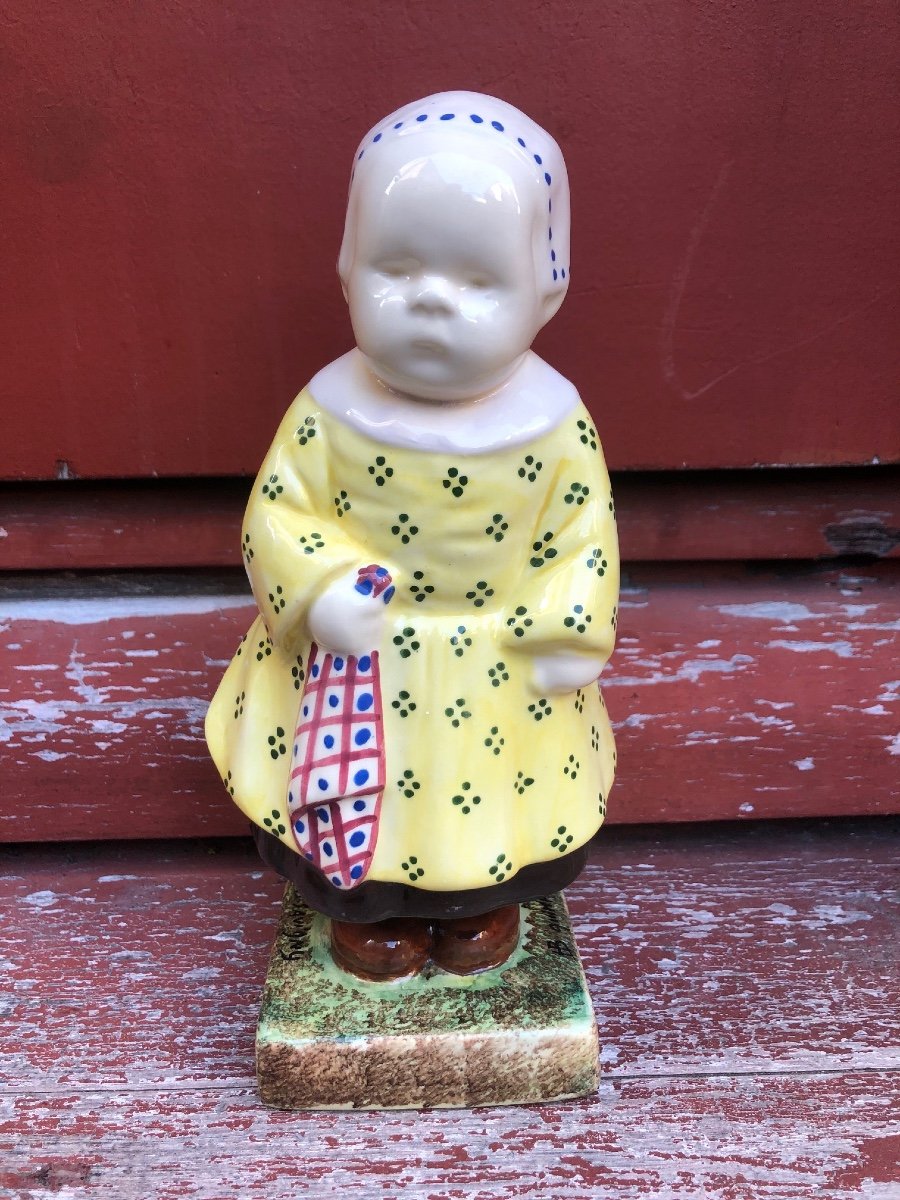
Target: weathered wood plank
745, 985
735, 694
725, 950
783, 1138
663, 516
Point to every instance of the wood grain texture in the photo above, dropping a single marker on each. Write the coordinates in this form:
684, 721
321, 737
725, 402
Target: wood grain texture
663, 517
744, 979
176, 189
734, 693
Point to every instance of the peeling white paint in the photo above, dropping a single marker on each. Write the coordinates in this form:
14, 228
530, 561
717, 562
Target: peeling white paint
199, 974
97, 610
769, 610
836, 914
840, 648
27, 717
746, 808
44, 899
638, 720
894, 745
50, 755
689, 671
770, 721
108, 726
804, 764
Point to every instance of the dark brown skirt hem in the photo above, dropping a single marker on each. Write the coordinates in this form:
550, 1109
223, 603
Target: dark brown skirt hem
375, 901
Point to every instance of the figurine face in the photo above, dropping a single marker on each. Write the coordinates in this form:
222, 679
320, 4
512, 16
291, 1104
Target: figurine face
442, 289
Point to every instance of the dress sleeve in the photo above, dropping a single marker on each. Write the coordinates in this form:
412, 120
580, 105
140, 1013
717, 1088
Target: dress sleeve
292, 540
568, 590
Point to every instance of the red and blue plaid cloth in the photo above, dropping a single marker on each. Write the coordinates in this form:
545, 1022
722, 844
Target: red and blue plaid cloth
337, 770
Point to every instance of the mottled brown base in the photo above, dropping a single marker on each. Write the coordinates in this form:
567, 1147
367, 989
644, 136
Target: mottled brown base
519, 1034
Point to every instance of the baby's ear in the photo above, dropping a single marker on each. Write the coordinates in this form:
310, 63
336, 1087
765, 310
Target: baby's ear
345, 262
551, 302
342, 270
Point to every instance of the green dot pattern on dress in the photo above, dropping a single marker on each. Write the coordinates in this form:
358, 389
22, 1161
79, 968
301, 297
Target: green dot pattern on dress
501, 868
540, 709
460, 641
403, 704
572, 767
480, 593
406, 642
457, 712
465, 799
455, 482
577, 493
274, 823
311, 542
563, 840
407, 784
596, 562
530, 469
498, 528
543, 552
578, 620
498, 674
381, 471
520, 621
411, 866
404, 529
420, 590
306, 432
588, 435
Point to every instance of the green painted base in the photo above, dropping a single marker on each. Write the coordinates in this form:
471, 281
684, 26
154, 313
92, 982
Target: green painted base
520, 1034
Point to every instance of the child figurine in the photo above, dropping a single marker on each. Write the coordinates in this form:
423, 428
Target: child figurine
413, 723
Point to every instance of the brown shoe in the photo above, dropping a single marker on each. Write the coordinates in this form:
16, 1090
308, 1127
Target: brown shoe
383, 949
470, 944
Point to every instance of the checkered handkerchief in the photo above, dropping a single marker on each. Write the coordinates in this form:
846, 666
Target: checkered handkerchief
337, 771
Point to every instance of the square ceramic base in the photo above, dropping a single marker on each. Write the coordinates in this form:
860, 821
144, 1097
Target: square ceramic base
519, 1034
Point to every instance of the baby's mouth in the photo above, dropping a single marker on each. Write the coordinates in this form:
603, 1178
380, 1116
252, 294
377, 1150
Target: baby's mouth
429, 345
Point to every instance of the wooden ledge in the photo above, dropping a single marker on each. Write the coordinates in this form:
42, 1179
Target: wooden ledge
667, 516
744, 980
735, 692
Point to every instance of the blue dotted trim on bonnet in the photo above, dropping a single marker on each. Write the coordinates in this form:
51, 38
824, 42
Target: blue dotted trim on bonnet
477, 119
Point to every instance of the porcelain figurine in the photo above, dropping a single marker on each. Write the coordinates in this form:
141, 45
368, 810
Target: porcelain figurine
413, 723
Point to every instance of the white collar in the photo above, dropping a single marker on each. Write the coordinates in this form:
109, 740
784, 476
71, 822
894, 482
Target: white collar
535, 401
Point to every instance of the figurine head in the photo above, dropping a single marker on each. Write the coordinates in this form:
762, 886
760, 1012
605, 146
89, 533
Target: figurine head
456, 246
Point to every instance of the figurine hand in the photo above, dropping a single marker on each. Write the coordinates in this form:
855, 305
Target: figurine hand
348, 617
564, 671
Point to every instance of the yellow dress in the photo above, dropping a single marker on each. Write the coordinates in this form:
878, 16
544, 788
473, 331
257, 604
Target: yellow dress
496, 557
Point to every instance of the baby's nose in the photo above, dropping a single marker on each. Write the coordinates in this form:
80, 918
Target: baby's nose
433, 295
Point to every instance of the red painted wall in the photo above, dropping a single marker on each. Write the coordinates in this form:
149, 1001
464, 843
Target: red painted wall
173, 184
